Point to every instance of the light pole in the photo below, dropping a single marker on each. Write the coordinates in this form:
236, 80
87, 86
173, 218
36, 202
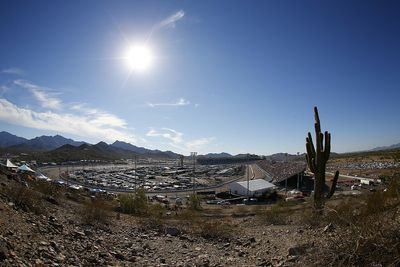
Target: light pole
193, 154
248, 182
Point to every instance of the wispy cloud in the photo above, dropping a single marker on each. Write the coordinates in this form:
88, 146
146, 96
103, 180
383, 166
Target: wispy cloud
179, 102
176, 140
14, 71
170, 134
3, 89
45, 98
171, 20
100, 127
99, 117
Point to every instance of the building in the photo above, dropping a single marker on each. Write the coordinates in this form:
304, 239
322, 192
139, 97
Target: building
256, 187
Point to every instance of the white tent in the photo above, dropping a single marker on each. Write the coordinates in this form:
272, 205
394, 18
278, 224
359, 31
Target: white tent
41, 176
10, 165
25, 168
256, 187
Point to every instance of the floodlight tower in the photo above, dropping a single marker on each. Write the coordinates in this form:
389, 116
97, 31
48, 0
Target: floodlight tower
194, 154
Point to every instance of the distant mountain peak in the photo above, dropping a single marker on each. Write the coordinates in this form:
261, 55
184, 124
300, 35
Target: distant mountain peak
7, 139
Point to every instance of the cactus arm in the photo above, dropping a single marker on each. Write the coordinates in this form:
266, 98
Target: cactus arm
327, 149
310, 159
311, 143
333, 187
317, 122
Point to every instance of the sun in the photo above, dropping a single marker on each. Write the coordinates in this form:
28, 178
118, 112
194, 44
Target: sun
139, 58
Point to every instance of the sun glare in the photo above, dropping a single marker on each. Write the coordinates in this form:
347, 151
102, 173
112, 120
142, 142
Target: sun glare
139, 58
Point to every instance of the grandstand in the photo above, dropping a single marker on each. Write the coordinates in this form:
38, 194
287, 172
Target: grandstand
284, 173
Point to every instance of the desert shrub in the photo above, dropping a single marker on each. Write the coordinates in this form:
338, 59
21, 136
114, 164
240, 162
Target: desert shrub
370, 235
244, 211
194, 202
310, 218
393, 188
25, 198
135, 203
156, 210
214, 229
276, 215
47, 189
288, 203
152, 223
187, 215
96, 211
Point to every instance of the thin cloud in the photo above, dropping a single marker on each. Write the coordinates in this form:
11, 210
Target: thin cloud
3, 89
14, 71
45, 98
98, 117
103, 127
171, 20
176, 140
178, 103
170, 134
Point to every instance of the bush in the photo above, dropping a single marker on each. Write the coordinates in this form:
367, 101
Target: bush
96, 212
49, 190
152, 223
135, 203
46, 188
214, 229
25, 198
194, 202
370, 233
187, 215
276, 215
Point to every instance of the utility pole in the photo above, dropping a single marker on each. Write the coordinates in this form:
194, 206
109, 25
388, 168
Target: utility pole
248, 182
193, 154
286, 161
286, 186
298, 180
136, 176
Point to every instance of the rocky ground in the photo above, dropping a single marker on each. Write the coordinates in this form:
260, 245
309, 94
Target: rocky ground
57, 237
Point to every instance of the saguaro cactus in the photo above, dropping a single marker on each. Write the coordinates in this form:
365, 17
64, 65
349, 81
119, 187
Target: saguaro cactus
317, 156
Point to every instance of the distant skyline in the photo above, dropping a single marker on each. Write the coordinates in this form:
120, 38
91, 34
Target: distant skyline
213, 76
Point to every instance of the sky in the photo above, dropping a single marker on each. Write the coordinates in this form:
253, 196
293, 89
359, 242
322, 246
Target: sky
232, 76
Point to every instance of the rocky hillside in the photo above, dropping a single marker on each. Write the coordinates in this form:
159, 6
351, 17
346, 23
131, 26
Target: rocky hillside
45, 225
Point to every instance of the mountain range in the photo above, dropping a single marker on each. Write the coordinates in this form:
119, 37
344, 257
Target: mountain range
395, 146
59, 147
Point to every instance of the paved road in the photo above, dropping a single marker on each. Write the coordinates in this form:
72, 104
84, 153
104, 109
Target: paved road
258, 173
351, 177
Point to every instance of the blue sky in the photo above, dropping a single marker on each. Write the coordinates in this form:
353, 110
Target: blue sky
234, 76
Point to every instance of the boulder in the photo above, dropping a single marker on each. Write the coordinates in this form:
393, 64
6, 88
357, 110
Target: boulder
172, 231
